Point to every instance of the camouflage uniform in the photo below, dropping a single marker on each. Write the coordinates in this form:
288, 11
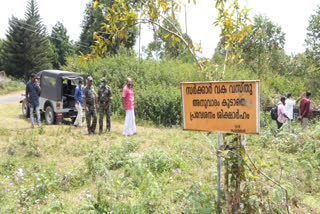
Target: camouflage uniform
104, 100
90, 96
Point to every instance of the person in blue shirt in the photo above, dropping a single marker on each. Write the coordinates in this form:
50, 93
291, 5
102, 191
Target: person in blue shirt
78, 96
33, 91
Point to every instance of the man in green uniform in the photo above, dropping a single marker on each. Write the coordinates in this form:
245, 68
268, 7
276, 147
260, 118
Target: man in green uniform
90, 104
104, 100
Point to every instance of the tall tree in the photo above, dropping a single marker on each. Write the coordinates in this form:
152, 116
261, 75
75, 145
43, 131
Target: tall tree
26, 49
91, 27
312, 72
61, 45
14, 52
38, 42
262, 48
313, 37
265, 41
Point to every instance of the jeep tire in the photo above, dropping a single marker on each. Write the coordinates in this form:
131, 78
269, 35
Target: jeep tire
50, 115
25, 109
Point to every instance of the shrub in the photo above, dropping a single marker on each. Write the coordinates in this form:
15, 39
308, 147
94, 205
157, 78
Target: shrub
160, 161
156, 84
159, 104
98, 162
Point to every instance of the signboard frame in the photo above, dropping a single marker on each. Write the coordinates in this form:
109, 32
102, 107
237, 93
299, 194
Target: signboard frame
257, 104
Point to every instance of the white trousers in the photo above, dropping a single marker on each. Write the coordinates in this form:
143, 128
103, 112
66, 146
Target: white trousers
129, 123
78, 121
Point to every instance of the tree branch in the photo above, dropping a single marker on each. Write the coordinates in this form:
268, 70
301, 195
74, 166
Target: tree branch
270, 179
184, 41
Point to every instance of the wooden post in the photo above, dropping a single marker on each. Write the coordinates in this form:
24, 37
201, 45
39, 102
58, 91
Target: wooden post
219, 173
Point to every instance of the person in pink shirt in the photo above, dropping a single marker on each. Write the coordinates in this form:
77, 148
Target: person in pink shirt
281, 112
128, 106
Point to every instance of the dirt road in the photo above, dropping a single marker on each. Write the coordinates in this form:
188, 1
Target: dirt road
11, 98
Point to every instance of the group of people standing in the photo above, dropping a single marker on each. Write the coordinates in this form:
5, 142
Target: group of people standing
101, 102
92, 103
285, 110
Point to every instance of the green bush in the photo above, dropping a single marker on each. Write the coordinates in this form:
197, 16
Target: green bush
98, 162
156, 85
160, 161
160, 104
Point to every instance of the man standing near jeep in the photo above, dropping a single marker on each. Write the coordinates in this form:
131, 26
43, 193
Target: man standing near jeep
104, 100
33, 91
90, 105
78, 97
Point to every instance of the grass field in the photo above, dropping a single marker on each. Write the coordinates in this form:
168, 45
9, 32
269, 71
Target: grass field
61, 169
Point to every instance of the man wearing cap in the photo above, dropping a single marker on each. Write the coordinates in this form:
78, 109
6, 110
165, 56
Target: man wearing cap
104, 100
90, 104
78, 96
33, 91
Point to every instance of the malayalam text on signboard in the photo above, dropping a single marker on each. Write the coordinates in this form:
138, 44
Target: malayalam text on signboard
230, 107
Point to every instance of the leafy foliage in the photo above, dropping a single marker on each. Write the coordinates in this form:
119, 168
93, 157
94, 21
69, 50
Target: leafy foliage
233, 22
262, 46
313, 38
313, 51
121, 15
165, 46
261, 49
93, 19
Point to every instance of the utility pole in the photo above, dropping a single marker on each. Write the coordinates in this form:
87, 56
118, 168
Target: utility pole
139, 41
185, 18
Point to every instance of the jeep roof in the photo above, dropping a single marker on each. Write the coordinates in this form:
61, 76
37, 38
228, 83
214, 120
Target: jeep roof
52, 82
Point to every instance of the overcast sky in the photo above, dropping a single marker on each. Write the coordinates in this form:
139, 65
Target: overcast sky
291, 15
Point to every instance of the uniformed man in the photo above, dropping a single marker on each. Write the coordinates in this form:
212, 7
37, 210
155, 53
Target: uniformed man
104, 100
90, 105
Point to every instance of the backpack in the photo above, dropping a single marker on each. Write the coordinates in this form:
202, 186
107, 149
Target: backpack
274, 113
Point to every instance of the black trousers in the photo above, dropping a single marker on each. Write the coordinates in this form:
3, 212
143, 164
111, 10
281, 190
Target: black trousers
279, 124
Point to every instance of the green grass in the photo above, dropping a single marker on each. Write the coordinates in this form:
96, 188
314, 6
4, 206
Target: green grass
159, 170
9, 86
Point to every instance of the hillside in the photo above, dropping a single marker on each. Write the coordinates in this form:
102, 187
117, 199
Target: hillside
60, 169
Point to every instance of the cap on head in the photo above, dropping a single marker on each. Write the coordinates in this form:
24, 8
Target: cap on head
283, 98
90, 78
308, 93
103, 79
